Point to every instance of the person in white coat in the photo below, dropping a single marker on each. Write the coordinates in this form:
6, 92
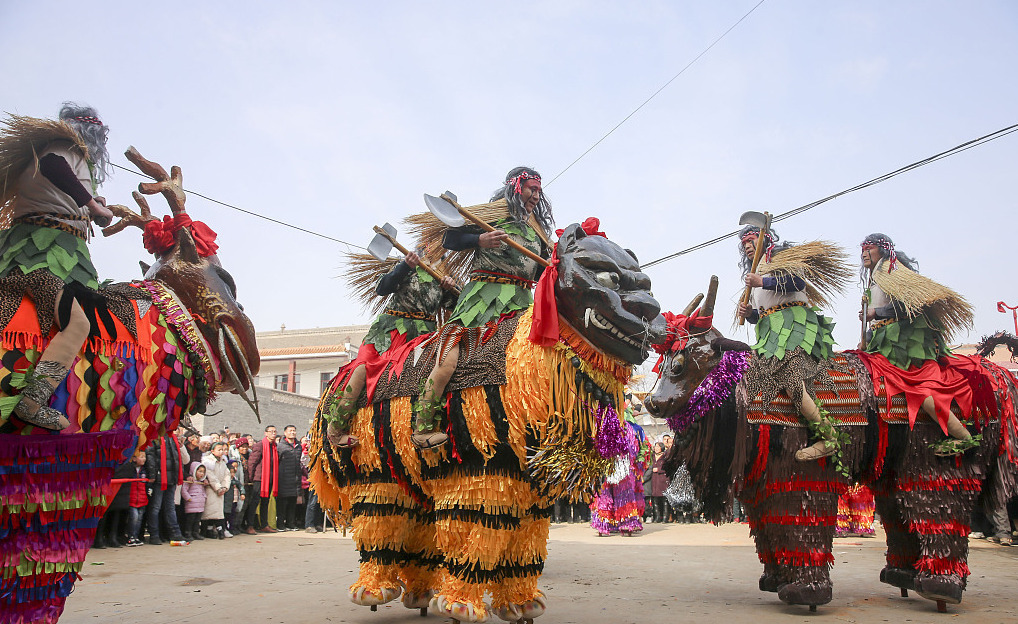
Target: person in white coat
218, 476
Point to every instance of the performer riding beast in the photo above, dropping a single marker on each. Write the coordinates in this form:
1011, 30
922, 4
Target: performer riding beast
87, 374
734, 445
532, 412
501, 278
793, 337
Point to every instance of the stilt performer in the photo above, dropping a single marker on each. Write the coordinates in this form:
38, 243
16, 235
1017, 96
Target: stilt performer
908, 316
501, 280
411, 301
793, 336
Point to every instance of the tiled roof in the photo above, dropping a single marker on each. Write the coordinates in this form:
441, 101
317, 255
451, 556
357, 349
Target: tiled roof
302, 350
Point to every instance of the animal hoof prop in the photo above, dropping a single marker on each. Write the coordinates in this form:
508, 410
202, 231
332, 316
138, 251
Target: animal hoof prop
414, 600
796, 594
940, 589
371, 598
459, 611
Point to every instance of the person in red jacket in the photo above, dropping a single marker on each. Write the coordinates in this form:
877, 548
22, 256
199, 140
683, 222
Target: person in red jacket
137, 500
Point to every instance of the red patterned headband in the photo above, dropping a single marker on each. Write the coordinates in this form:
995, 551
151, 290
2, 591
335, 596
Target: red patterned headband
91, 120
888, 247
517, 181
769, 240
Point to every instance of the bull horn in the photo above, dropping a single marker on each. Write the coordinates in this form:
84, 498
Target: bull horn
692, 304
712, 295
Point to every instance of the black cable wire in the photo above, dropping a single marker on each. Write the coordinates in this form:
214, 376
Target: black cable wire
254, 214
883, 178
653, 95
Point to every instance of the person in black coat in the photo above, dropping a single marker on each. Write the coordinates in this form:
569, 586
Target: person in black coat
163, 467
289, 480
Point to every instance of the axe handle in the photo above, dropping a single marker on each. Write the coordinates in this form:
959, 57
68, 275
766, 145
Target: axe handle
484, 226
760, 242
430, 270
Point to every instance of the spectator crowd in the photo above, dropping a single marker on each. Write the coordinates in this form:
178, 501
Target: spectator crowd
211, 487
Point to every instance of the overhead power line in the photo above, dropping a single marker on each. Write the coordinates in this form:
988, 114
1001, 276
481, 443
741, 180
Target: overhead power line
887, 176
663, 87
254, 214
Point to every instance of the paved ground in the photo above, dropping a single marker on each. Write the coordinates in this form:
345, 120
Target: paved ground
670, 573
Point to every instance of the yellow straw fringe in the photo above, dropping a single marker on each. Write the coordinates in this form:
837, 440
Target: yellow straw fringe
479, 422
365, 455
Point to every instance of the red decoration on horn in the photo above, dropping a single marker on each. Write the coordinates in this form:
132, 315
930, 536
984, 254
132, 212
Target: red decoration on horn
160, 236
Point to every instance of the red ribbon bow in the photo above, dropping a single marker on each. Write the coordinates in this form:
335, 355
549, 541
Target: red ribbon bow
160, 236
679, 329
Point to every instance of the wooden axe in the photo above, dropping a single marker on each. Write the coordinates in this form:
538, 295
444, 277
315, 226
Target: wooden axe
439, 206
385, 240
762, 221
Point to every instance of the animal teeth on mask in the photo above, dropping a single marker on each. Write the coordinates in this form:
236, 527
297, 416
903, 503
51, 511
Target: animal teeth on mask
599, 321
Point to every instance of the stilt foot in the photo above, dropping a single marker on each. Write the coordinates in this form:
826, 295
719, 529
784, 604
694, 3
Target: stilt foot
904, 593
942, 606
812, 608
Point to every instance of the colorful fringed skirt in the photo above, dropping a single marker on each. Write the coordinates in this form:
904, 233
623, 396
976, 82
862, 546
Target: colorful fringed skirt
615, 509
53, 491
855, 512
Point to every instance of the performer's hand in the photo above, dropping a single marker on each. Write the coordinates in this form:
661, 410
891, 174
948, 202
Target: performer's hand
448, 283
99, 213
491, 240
754, 281
413, 260
871, 314
743, 309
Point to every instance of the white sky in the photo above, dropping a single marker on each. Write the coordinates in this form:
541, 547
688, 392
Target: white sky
336, 116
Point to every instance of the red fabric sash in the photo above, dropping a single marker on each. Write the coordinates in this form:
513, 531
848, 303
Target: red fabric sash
544, 328
270, 468
932, 379
162, 462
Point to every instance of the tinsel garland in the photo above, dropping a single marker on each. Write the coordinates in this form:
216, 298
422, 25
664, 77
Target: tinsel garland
610, 440
713, 390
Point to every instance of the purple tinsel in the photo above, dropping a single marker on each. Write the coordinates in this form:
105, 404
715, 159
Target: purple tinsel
610, 440
713, 390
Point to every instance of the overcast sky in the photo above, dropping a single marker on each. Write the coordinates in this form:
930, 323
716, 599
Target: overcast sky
336, 116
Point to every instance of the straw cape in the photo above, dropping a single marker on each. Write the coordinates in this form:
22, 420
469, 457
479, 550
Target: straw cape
21, 138
922, 296
822, 264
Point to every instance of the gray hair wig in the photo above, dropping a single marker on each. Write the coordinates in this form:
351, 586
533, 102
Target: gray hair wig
93, 134
516, 208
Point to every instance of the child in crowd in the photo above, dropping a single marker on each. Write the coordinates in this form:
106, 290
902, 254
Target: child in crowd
193, 493
218, 482
233, 498
137, 499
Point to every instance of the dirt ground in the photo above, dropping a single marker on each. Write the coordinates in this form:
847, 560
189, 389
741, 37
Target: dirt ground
669, 573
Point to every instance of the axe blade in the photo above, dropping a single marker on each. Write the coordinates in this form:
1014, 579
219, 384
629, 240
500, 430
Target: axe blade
445, 211
752, 217
380, 246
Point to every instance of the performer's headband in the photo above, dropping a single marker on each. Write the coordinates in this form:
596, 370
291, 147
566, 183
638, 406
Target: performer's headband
887, 247
89, 119
517, 181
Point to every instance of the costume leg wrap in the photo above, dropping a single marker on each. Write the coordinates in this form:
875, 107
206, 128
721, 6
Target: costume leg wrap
522, 564
936, 496
423, 571
794, 513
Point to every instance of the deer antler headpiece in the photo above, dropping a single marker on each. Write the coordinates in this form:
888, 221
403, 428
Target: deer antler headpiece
160, 236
